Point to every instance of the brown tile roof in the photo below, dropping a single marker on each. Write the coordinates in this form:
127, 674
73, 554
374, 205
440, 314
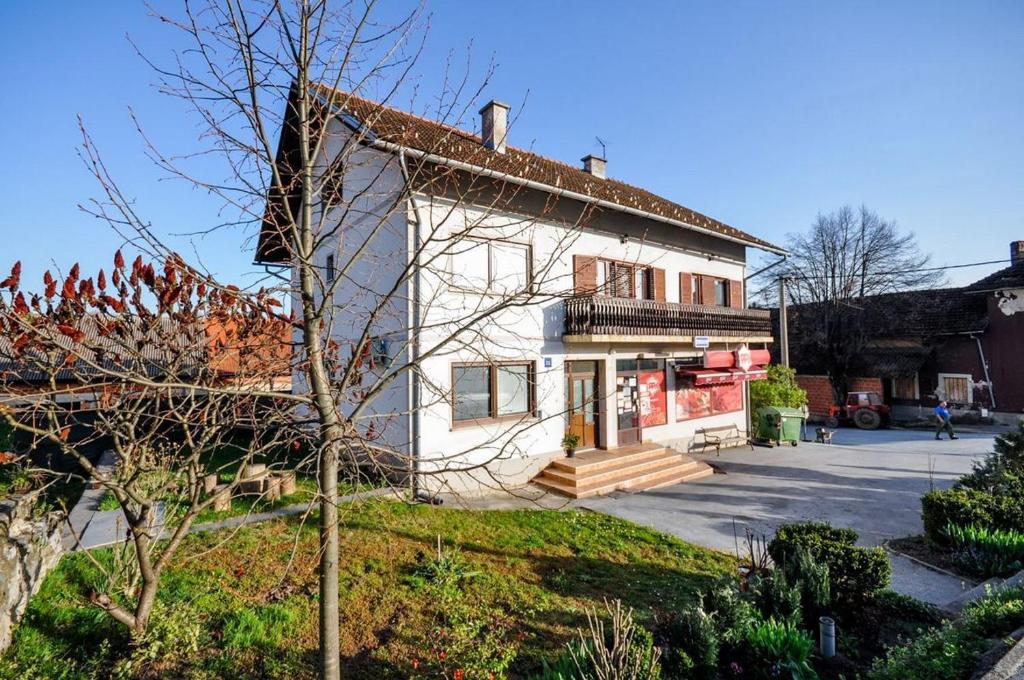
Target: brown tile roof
414, 132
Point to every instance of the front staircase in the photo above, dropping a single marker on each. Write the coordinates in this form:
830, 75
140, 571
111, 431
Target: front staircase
631, 468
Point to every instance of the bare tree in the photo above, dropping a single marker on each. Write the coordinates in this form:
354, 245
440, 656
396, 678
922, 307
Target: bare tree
294, 98
846, 256
160, 367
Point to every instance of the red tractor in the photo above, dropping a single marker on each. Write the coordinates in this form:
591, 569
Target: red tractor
863, 409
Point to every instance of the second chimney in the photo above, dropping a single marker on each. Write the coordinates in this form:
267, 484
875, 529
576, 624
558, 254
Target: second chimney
1016, 252
494, 125
595, 165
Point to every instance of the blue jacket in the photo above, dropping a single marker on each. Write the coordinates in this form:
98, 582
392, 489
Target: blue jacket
942, 412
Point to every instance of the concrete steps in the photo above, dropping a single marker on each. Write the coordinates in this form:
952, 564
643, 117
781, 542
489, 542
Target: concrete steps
634, 468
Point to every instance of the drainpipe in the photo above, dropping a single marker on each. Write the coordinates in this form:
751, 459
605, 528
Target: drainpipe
984, 367
413, 324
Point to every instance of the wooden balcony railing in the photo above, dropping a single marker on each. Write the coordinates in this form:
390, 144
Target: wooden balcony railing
597, 315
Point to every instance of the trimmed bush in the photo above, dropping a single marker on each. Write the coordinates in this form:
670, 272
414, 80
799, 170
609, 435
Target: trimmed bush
855, 573
961, 507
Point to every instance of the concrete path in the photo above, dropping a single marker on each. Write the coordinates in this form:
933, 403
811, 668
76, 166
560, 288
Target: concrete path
869, 481
85, 509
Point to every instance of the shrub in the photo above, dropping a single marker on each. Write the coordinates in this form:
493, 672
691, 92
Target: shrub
951, 652
777, 598
692, 644
780, 389
173, 634
855, 573
986, 552
625, 651
812, 580
779, 648
961, 507
898, 606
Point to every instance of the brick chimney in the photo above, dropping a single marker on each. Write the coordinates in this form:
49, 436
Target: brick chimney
595, 165
494, 125
1016, 252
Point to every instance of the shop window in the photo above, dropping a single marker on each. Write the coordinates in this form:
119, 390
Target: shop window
704, 401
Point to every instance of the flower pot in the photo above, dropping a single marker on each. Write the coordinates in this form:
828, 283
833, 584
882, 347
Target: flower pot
569, 453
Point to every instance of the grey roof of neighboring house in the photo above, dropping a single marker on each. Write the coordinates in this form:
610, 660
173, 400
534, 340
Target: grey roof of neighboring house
1008, 277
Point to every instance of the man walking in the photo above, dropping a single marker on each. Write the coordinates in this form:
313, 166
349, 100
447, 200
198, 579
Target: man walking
942, 413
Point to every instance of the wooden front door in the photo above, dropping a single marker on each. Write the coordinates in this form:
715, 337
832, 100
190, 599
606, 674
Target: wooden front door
582, 402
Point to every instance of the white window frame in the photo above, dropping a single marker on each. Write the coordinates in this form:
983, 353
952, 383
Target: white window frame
489, 288
945, 394
917, 387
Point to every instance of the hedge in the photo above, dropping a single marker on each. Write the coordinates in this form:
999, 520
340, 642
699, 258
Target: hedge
969, 507
855, 573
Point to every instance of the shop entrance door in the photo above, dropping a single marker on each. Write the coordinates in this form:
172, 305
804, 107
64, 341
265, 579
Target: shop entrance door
627, 401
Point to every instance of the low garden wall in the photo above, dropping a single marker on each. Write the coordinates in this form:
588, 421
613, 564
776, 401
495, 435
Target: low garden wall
30, 545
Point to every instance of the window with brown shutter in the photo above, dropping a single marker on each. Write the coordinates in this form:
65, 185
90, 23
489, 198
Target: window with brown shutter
584, 269
659, 284
735, 294
707, 290
686, 288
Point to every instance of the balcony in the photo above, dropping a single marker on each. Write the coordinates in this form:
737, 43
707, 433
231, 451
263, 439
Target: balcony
600, 319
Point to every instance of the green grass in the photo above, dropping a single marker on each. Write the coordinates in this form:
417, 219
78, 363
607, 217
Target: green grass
522, 585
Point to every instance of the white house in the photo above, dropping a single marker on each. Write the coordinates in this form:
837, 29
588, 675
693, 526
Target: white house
540, 299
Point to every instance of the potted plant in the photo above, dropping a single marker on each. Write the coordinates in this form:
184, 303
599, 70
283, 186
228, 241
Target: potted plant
569, 442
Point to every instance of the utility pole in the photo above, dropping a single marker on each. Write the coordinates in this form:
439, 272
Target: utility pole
783, 324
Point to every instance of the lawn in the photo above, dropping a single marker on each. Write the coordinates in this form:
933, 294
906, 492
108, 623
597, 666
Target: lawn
509, 590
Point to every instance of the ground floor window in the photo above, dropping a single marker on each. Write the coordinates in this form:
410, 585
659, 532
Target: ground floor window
905, 387
482, 392
700, 402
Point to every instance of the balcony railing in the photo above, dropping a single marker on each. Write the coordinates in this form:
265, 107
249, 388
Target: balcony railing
598, 315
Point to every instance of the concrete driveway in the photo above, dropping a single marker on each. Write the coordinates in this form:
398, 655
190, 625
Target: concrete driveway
869, 481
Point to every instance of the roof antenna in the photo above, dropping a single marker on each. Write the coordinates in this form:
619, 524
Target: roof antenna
604, 147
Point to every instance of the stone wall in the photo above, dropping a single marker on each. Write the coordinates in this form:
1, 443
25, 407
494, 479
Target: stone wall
30, 546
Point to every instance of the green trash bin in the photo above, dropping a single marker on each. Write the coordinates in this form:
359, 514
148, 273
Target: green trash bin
779, 424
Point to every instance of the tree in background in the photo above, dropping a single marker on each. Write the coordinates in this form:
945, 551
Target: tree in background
780, 389
847, 255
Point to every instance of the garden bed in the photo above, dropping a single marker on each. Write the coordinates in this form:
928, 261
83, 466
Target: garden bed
243, 605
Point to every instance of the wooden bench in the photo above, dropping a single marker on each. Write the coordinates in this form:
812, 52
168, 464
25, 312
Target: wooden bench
723, 435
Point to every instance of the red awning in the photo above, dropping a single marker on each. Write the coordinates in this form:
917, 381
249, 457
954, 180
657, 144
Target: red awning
709, 376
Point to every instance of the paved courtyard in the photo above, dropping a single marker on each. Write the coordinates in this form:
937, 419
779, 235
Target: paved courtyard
870, 481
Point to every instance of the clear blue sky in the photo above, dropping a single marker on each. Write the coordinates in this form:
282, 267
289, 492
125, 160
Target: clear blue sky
758, 114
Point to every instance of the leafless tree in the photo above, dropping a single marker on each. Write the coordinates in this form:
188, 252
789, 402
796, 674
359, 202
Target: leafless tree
158, 366
846, 256
293, 97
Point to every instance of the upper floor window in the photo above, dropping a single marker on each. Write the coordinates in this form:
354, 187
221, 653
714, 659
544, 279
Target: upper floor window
623, 280
500, 267
721, 292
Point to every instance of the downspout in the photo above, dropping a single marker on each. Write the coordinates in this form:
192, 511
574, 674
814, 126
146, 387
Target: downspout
984, 367
413, 324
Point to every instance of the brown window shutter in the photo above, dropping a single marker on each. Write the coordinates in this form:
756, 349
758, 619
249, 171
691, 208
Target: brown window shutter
736, 294
686, 288
659, 284
707, 290
584, 274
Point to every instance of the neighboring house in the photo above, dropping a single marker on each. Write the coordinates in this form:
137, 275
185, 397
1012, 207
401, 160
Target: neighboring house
645, 336
958, 344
